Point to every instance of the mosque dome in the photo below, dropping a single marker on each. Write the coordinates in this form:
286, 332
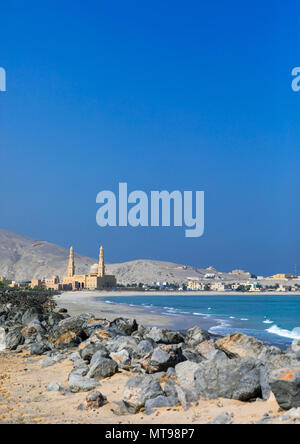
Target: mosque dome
94, 268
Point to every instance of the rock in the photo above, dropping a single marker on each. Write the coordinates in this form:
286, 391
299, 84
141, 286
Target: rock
214, 355
13, 338
120, 343
122, 358
295, 347
66, 340
138, 390
204, 347
234, 379
53, 387
94, 400
195, 336
80, 384
285, 384
2, 339
38, 348
192, 355
69, 332
82, 407
90, 349
185, 372
164, 336
144, 347
30, 315
272, 360
47, 362
125, 326
159, 401
28, 332
162, 358
238, 345
224, 418
291, 414
102, 367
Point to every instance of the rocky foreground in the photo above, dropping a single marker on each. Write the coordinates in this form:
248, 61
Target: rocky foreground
161, 369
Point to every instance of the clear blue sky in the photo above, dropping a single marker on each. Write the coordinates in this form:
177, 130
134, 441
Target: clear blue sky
163, 95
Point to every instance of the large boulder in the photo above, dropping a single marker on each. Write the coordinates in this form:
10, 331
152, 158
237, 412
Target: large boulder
14, 338
185, 372
120, 343
102, 367
239, 345
124, 326
234, 379
163, 357
195, 336
30, 315
285, 384
165, 336
138, 390
88, 350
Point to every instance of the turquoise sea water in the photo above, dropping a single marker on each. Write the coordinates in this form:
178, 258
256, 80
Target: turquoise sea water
273, 319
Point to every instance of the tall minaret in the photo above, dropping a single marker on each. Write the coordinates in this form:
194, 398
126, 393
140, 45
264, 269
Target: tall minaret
71, 266
101, 268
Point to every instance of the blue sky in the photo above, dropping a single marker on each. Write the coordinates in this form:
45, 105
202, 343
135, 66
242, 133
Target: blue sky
162, 95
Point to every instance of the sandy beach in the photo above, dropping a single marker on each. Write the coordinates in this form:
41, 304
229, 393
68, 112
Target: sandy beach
24, 399
94, 302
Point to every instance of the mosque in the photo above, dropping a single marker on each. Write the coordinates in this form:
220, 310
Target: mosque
95, 280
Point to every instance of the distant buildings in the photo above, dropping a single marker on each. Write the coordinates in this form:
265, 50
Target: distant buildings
95, 280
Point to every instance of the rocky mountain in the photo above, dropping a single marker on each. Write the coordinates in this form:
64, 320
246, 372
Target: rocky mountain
23, 258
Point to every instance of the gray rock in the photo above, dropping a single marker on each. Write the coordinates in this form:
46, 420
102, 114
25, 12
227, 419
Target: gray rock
125, 326
143, 348
223, 418
13, 338
90, 349
185, 372
285, 384
53, 387
162, 358
47, 362
138, 390
80, 384
234, 379
30, 315
120, 343
295, 347
38, 348
159, 401
122, 359
195, 336
164, 336
2, 339
214, 355
102, 367
94, 400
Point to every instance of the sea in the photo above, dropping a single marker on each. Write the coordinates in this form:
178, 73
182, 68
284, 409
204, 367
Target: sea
272, 319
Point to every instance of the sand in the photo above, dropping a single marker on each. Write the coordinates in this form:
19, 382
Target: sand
25, 400
80, 302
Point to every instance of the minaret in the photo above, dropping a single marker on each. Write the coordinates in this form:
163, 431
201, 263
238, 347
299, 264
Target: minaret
101, 268
71, 266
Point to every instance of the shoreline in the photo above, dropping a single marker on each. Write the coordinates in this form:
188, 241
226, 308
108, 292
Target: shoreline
80, 302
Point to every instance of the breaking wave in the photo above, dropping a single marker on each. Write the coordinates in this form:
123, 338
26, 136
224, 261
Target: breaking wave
294, 334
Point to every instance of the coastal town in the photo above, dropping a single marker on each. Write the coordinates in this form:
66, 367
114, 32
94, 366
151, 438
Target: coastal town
212, 281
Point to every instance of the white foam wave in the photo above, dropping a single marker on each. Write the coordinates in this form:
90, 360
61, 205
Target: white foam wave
244, 319
267, 321
294, 334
